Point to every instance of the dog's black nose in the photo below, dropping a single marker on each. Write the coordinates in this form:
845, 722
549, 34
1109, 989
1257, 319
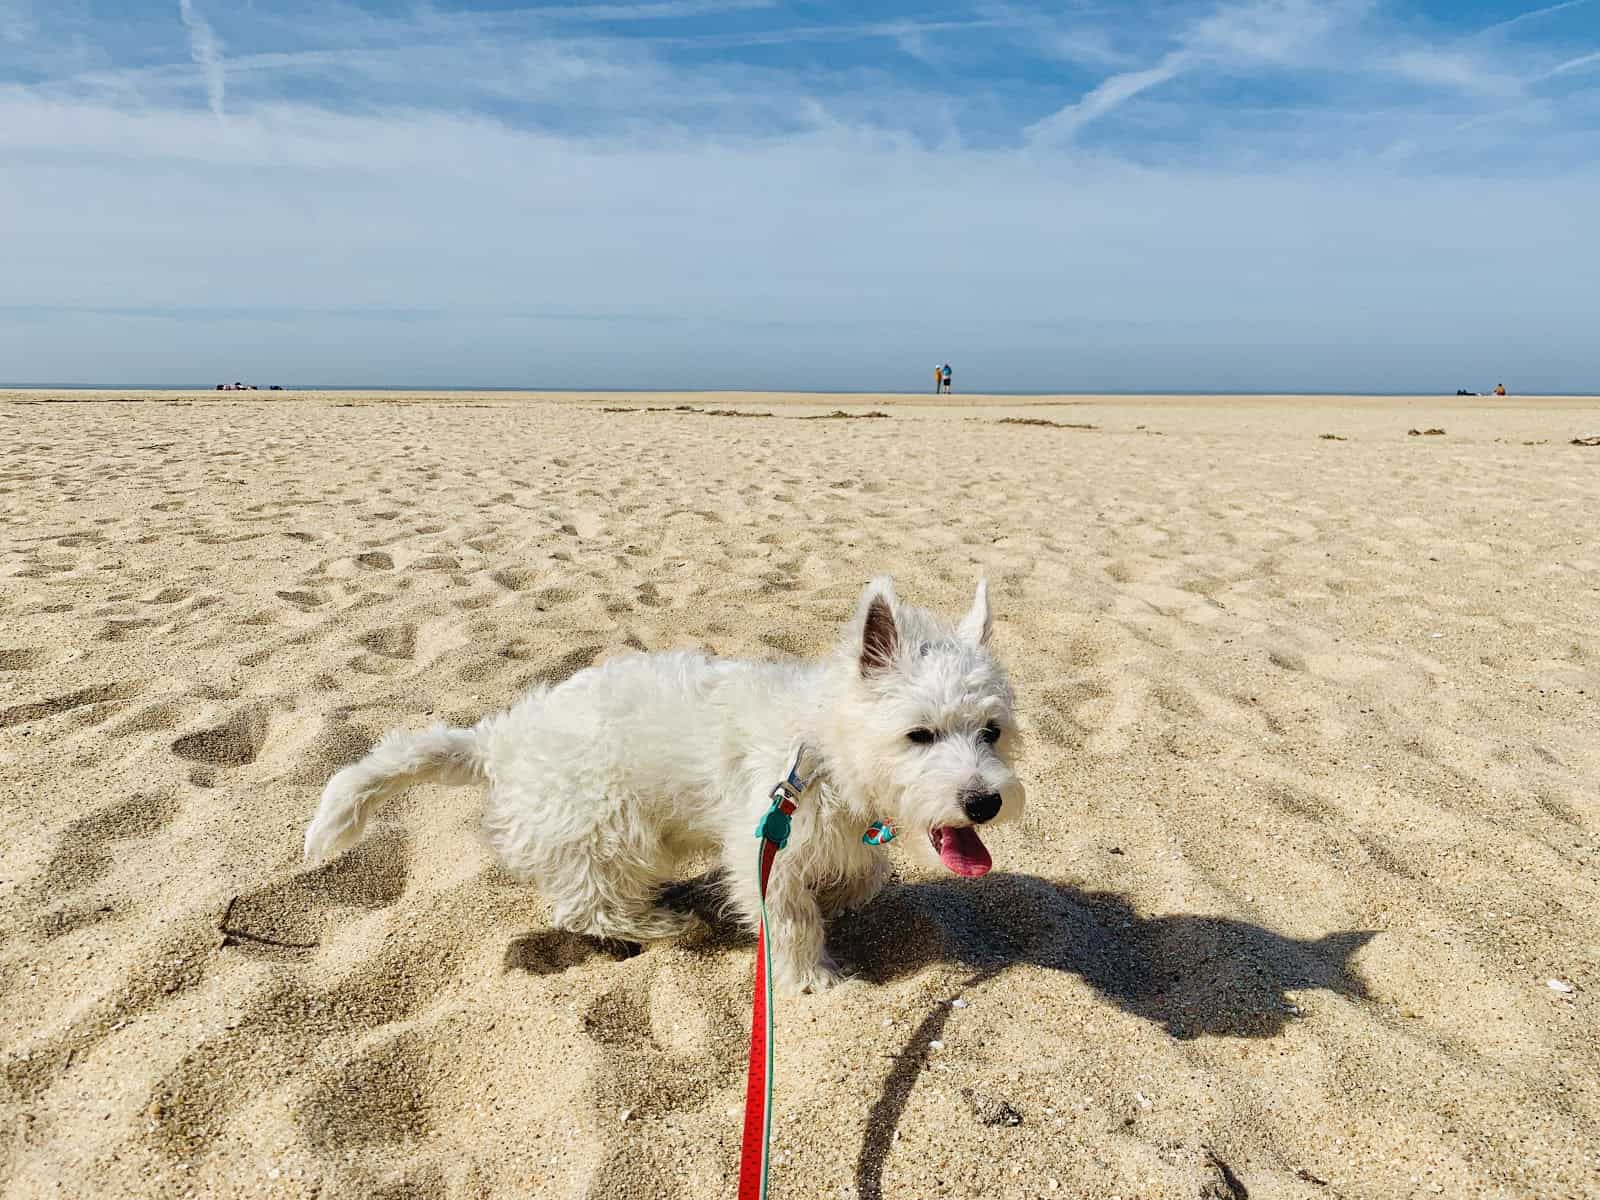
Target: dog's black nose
980, 806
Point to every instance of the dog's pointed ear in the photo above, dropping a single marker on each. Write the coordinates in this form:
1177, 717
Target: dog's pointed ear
978, 624
875, 634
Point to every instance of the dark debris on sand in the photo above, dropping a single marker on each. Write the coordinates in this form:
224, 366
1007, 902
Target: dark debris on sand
688, 408
1043, 422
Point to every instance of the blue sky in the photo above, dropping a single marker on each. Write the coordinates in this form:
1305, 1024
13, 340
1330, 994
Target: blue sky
1262, 195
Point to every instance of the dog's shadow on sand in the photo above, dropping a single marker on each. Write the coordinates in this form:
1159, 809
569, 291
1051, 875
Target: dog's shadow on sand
1194, 976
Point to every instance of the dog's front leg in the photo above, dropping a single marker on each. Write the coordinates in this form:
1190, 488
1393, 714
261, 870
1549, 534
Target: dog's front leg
800, 961
859, 888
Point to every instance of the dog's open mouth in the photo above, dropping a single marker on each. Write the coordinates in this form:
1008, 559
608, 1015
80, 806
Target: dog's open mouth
961, 849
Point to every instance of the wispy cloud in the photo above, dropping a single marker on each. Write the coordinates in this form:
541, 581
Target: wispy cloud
1063, 125
851, 32
1267, 31
1067, 35
1573, 64
697, 192
1463, 69
206, 51
1536, 14
666, 10
1233, 37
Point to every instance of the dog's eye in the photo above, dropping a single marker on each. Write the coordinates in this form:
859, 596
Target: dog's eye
922, 737
990, 734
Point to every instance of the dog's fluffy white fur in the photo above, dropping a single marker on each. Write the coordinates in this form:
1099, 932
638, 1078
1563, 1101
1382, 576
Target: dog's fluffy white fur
601, 787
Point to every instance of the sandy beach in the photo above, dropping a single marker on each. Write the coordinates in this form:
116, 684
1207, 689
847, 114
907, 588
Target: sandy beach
1306, 902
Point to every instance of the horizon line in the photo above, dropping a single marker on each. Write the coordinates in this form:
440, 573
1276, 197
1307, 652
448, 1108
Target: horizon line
650, 391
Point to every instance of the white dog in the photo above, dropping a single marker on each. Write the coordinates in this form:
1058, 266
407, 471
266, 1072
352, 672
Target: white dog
601, 787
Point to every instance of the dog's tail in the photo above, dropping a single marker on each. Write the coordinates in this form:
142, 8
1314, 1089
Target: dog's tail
436, 755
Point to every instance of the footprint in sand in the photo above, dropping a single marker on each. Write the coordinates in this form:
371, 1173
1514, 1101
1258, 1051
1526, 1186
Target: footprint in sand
1385, 857
381, 1096
1558, 808
518, 650
553, 951
1299, 803
1286, 658
164, 714
83, 849
237, 742
21, 714
120, 631
437, 562
486, 543
514, 579
1177, 700
395, 641
387, 649
303, 599
650, 1079
284, 918
364, 1092
1090, 648
554, 597
567, 665
481, 669
171, 964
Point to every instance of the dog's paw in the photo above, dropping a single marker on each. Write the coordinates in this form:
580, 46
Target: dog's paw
660, 924
651, 925
814, 977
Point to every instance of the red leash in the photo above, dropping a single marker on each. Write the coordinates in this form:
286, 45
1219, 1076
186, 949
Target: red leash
774, 834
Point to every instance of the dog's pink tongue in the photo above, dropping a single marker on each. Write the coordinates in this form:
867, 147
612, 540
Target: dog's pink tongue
963, 851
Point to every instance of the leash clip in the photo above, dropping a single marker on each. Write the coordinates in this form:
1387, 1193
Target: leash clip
775, 824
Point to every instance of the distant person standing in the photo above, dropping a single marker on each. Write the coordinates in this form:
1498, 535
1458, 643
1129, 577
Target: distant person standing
938, 379
944, 376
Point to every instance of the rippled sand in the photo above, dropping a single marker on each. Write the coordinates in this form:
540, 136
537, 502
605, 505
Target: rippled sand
1313, 768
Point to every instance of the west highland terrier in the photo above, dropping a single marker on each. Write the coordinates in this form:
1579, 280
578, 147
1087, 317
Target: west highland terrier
601, 787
